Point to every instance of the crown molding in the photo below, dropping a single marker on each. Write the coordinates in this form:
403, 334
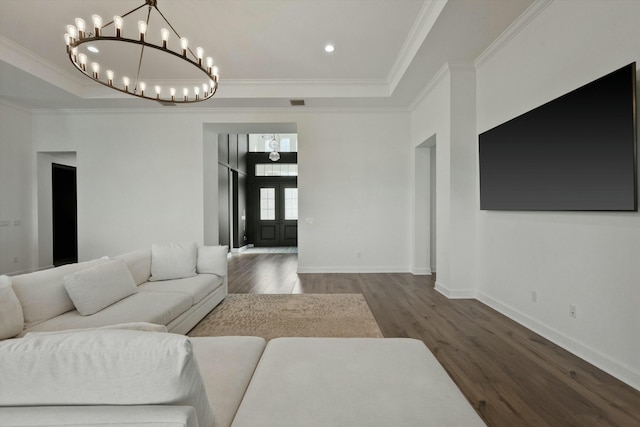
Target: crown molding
22, 58
289, 111
442, 72
7, 103
429, 13
512, 31
303, 88
16, 55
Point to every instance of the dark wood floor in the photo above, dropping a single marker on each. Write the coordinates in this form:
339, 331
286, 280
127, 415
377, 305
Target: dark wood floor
511, 376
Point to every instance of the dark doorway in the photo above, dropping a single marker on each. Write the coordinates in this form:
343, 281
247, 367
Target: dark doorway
65, 214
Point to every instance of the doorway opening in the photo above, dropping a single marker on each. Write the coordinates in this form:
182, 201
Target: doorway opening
425, 210
64, 203
273, 191
236, 157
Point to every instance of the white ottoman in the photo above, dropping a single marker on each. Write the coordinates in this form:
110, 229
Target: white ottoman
352, 382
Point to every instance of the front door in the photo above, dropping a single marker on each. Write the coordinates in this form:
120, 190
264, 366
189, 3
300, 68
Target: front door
277, 215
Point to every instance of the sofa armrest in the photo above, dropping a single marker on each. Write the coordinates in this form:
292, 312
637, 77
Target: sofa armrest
130, 416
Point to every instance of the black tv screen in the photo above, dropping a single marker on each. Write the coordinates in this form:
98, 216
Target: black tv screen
575, 153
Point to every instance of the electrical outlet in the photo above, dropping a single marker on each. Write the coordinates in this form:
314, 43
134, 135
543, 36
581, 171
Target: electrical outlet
534, 296
573, 311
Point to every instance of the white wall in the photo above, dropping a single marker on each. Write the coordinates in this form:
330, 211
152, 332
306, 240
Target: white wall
17, 201
354, 186
588, 259
141, 180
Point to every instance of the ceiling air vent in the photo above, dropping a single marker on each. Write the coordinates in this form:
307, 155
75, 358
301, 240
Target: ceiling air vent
297, 102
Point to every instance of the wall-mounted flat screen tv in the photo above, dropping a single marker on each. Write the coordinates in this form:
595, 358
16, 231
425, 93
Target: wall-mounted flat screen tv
575, 153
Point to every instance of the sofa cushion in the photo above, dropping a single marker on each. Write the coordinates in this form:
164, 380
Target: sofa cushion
196, 287
107, 367
152, 307
173, 261
133, 326
99, 286
212, 260
11, 318
42, 293
230, 361
139, 263
352, 382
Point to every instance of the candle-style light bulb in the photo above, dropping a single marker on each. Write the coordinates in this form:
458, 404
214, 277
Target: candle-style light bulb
205, 89
96, 70
110, 77
196, 91
199, 54
142, 29
97, 24
215, 71
82, 60
158, 90
82, 26
143, 86
209, 64
72, 31
164, 33
118, 22
172, 91
67, 41
185, 92
125, 80
184, 43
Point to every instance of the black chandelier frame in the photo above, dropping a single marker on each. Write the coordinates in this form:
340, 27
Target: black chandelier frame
83, 37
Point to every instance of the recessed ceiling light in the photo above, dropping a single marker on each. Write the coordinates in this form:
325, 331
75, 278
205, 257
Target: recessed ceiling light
93, 49
329, 48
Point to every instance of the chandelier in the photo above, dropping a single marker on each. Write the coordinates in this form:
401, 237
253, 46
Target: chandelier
81, 46
274, 143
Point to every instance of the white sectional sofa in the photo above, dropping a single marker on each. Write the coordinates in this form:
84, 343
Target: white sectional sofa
93, 346
134, 287
144, 379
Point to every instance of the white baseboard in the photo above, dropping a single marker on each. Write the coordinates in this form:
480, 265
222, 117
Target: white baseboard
455, 293
423, 271
240, 249
624, 373
360, 269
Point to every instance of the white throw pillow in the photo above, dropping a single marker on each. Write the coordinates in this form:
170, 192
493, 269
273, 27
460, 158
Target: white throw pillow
11, 318
98, 287
212, 260
42, 293
105, 367
173, 261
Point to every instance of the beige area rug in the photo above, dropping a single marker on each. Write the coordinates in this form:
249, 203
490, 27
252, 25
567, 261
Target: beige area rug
298, 315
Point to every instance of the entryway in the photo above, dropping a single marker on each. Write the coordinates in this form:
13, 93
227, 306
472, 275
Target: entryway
276, 214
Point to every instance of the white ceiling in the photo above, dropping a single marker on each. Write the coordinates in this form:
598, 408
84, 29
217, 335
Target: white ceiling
268, 51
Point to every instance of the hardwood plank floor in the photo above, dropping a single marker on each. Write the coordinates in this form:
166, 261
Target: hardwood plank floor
509, 374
